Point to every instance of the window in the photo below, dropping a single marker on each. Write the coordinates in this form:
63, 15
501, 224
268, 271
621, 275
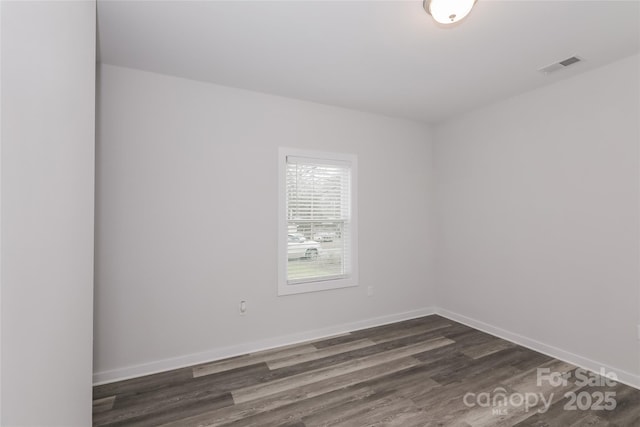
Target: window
318, 230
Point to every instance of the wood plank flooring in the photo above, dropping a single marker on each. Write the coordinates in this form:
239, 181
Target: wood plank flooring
422, 372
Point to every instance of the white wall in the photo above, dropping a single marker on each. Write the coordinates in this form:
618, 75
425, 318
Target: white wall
186, 221
538, 215
48, 99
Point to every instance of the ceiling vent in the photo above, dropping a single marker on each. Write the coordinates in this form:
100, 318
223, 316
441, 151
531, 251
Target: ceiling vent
560, 65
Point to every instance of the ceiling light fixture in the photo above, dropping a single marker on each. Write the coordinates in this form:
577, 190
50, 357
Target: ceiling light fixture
448, 11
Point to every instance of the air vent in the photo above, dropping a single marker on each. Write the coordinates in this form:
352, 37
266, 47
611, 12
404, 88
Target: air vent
561, 64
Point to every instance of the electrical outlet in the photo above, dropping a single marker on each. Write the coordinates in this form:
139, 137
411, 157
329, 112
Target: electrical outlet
243, 307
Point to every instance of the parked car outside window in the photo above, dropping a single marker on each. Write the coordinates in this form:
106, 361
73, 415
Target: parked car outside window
300, 247
324, 236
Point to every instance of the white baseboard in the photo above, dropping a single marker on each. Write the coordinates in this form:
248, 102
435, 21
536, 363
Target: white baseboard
153, 367
624, 377
250, 347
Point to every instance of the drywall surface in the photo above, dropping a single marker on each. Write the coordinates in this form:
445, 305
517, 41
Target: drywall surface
537, 204
186, 222
48, 101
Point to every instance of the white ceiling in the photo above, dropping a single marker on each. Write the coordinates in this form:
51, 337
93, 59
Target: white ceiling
386, 57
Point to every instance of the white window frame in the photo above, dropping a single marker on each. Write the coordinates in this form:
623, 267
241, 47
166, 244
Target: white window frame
351, 280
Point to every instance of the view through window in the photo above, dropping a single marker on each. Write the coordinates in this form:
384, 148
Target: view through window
319, 219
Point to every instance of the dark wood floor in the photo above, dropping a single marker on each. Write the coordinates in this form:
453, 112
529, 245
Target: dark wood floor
412, 373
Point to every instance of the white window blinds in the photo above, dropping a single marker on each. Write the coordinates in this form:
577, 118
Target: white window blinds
319, 222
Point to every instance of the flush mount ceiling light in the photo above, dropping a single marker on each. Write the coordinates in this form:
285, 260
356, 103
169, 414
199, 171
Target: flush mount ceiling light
448, 11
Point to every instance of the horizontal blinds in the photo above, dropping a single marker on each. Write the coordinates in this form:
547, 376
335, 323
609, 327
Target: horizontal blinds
318, 197
317, 190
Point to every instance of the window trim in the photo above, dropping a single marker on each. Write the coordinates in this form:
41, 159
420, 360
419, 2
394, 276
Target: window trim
285, 288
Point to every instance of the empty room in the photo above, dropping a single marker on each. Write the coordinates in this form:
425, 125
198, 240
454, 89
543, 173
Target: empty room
319, 213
